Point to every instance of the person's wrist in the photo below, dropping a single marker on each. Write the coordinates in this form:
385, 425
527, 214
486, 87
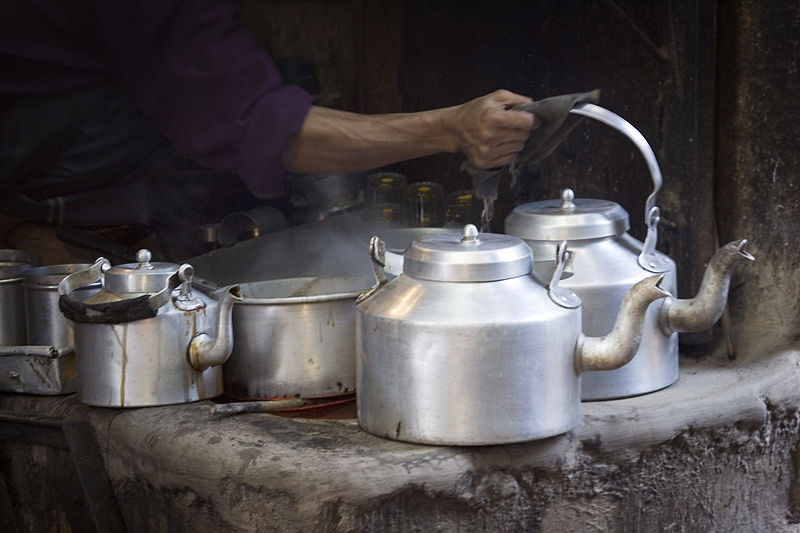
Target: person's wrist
449, 133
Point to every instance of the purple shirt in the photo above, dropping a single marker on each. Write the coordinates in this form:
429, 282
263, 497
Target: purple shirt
195, 71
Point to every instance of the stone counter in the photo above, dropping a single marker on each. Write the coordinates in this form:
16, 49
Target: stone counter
718, 451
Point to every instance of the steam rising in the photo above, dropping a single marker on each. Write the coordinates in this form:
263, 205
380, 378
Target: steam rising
337, 247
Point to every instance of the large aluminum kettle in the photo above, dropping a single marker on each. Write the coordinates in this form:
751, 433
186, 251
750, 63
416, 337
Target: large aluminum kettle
606, 262
147, 338
466, 347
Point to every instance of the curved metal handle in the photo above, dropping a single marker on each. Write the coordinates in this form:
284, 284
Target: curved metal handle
82, 278
561, 295
141, 307
647, 259
377, 252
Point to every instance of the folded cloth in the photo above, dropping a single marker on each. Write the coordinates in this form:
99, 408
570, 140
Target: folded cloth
555, 123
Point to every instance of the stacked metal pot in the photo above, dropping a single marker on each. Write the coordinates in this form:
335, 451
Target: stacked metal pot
36, 342
13, 264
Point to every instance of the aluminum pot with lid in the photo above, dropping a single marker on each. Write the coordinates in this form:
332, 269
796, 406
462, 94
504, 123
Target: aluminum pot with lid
13, 263
606, 262
466, 347
147, 338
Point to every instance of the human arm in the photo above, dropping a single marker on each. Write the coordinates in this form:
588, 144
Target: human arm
485, 130
200, 77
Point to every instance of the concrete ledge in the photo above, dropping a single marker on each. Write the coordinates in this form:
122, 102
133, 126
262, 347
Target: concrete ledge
715, 452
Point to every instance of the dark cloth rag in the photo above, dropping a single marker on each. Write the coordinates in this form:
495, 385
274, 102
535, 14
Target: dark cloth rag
556, 123
119, 312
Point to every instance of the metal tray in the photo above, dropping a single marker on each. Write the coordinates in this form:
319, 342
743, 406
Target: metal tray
38, 370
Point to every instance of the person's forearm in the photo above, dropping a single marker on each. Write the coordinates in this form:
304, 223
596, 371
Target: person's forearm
485, 130
332, 141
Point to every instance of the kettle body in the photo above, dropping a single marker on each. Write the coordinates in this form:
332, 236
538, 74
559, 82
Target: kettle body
467, 347
605, 262
601, 271
466, 363
144, 362
147, 338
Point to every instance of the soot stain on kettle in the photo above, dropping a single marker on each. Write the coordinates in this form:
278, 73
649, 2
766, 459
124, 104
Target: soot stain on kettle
123, 342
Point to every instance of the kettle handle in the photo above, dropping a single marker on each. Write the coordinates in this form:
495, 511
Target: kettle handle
648, 259
145, 306
377, 252
561, 295
82, 278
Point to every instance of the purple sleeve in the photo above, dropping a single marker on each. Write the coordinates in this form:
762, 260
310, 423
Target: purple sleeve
201, 78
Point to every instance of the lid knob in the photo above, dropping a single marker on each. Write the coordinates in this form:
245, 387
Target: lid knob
469, 233
143, 257
567, 195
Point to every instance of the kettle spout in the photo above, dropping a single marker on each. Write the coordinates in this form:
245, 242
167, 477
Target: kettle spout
620, 345
204, 350
702, 311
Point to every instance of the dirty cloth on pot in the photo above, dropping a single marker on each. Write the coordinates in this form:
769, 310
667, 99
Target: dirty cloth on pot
119, 312
556, 123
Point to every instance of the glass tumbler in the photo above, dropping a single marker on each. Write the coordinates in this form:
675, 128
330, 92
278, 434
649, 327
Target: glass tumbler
425, 204
463, 207
384, 194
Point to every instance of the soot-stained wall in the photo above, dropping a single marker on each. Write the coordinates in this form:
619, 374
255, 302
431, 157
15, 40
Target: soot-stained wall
757, 178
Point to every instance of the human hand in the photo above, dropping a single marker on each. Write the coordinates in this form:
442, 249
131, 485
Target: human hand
488, 132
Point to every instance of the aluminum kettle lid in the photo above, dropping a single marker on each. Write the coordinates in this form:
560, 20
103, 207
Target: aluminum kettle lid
467, 256
141, 277
567, 219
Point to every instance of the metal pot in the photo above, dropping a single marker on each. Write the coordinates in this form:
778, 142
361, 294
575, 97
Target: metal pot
46, 325
13, 263
294, 337
46, 365
465, 347
606, 262
147, 338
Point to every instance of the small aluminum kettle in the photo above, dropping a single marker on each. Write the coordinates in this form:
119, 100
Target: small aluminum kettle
606, 262
466, 347
147, 338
